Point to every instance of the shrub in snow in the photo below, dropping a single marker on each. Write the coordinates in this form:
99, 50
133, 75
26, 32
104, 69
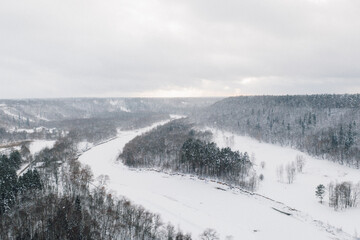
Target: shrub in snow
262, 164
209, 234
261, 177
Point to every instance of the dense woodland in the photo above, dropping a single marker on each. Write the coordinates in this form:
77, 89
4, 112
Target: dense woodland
322, 125
207, 160
178, 147
92, 119
105, 127
53, 200
29, 113
89, 129
7, 136
160, 147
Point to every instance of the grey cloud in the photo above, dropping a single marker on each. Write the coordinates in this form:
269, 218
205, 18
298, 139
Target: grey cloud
127, 48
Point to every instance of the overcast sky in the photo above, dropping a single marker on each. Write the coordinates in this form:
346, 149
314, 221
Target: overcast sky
167, 48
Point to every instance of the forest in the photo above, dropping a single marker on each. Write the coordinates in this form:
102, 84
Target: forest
326, 125
57, 198
29, 113
177, 146
160, 147
94, 129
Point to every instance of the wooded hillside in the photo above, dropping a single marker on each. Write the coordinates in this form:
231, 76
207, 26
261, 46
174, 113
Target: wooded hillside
322, 125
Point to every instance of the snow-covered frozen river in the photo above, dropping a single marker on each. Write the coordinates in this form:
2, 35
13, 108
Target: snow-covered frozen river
194, 205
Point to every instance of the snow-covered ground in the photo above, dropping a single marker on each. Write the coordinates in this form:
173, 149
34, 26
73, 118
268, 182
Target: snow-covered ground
84, 146
38, 145
194, 204
34, 147
301, 193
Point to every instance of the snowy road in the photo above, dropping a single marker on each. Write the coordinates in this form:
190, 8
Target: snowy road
193, 204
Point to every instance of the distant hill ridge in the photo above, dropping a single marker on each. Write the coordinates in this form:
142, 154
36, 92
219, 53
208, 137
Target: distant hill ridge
35, 112
314, 101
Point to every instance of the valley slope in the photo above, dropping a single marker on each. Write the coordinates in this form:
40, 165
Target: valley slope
194, 204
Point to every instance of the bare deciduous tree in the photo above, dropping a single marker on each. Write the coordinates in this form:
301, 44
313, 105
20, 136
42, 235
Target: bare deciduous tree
209, 234
290, 172
300, 163
280, 172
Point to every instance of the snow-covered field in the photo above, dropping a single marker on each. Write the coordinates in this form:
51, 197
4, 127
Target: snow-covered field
301, 193
37, 145
194, 204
